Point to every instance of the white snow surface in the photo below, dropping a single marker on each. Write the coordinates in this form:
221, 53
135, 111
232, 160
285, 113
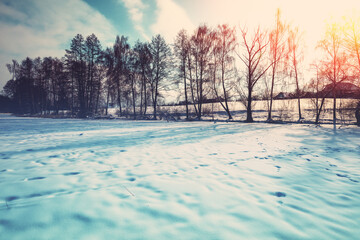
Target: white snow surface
110, 179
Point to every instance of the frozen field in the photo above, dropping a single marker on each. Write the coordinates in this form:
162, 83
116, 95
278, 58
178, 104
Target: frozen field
87, 179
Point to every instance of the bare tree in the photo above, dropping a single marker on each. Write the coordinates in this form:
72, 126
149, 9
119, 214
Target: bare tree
199, 65
121, 52
161, 63
295, 58
352, 46
277, 38
253, 57
109, 64
143, 67
334, 67
181, 50
76, 63
93, 57
224, 42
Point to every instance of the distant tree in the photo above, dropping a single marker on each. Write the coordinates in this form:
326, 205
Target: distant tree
7, 105
60, 85
93, 56
76, 63
352, 45
198, 65
334, 67
10, 87
26, 86
161, 63
121, 53
47, 71
277, 42
182, 50
224, 42
109, 61
295, 55
253, 56
132, 79
316, 85
143, 63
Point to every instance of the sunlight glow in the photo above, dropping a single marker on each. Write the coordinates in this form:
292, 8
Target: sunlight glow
310, 16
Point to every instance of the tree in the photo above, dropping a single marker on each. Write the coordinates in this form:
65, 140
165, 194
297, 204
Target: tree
352, 45
75, 58
182, 49
13, 69
144, 59
26, 86
133, 74
109, 60
334, 66
198, 65
93, 57
121, 53
316, 85
161, 64
295, 58
224, 41
277, 38
253, 57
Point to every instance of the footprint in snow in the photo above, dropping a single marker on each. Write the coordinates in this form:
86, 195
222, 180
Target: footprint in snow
279, 194
341, 175
35, 178
71, 173
11, 198
346, 176
203, 165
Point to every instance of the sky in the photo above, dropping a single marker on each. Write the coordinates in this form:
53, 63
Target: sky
37, 28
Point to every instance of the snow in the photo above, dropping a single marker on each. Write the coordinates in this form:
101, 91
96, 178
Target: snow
110, 179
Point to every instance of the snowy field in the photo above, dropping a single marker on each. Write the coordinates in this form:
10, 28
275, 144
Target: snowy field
103, 179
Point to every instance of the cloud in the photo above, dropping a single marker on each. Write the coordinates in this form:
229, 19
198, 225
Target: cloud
6, 11
45, 28
170, 19
135, 9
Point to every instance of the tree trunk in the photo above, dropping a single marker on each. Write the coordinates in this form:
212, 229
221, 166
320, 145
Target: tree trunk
133, 96
225, 97
249, 117
107, 99
334, 108
319, 111
185, 90
119, 97
271, 93
298, 93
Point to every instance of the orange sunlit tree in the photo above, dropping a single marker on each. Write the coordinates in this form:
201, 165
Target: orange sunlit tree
334, 67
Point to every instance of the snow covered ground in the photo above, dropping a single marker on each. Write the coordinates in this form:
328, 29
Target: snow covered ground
109, 179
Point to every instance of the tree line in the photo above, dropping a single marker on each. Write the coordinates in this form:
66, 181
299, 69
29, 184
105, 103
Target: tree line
211, 64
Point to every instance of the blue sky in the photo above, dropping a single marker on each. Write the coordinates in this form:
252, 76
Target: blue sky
45, 27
